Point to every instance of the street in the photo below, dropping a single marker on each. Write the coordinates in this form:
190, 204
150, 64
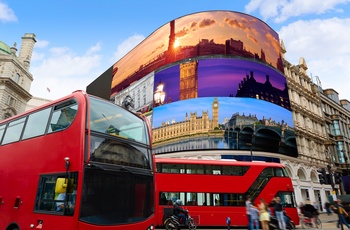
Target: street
328, 222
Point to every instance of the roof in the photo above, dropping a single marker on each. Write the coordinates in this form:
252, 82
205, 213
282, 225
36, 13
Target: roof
4, 48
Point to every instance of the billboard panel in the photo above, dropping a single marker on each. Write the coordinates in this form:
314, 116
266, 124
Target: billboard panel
210, 80
201, 34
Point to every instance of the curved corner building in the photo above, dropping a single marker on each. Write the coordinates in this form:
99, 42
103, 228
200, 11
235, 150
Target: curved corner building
213, 85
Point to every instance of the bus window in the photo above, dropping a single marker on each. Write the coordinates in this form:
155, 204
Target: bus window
2, 130
115, 152
52, 192
36, 123
63, 116
195, 169
115, 121
213, 169
191, 199
14, 131
171, 168
287, 199
279, 172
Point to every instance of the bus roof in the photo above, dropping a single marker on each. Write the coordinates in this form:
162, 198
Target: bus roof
49, 103
215, 162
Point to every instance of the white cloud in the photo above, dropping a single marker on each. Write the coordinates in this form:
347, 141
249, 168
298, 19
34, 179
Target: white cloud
41, 44
64, 72
324, 45
127, 45
281, 10
6, 13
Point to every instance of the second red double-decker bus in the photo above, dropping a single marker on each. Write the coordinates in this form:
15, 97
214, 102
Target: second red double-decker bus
78, 162
213, 190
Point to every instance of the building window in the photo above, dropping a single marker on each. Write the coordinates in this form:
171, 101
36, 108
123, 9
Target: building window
336, 128
17, 77
7, 115
11, 101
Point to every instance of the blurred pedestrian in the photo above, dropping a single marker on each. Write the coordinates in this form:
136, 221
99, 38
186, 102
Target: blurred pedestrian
279, 213
248, 206
327, 206
342, 214
254, 212
264, 215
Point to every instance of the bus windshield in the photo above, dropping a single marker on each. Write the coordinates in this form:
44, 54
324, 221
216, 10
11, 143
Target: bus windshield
111, 119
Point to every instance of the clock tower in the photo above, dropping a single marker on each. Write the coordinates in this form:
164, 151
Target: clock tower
215, 112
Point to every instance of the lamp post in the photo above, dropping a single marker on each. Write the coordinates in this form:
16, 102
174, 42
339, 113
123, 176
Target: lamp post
346, 161
159, 94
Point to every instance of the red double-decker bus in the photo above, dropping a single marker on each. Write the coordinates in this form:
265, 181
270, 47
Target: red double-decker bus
213, 190
79, 162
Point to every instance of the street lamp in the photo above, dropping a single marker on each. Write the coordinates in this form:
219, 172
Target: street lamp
159, 94
346, 161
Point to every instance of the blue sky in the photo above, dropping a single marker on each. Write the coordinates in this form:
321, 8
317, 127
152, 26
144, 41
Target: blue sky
78, 40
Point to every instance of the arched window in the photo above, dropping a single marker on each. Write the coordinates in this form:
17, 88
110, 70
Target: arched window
7, 115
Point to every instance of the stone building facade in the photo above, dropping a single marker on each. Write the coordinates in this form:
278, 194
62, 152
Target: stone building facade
15, 78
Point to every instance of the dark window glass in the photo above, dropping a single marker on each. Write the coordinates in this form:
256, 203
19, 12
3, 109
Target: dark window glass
116, 195
202, 169
56, 194
120, 153
202, 198
287, 199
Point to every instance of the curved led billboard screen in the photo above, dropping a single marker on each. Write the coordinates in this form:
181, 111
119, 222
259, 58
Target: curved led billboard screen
222, 103
201, 34
209, 81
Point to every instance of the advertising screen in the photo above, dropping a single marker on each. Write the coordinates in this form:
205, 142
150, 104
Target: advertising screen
201, 34
209, 81
222, 103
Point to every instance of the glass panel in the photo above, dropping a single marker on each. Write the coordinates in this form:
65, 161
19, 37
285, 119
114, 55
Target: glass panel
106, 117
36, 123
126, 197
56, 197
287, 199
13, 131
195, 169
63, 116
2, 130
120, 153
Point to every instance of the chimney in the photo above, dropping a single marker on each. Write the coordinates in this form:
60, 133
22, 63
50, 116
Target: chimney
26, 51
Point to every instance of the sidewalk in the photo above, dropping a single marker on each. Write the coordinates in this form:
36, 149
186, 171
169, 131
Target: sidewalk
328, 222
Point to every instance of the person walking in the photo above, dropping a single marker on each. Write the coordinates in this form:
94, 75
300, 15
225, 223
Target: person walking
248, 206
264, 215
327, 206
342, 213
254, 212
277, 206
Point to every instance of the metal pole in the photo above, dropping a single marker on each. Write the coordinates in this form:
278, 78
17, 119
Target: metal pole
251, 152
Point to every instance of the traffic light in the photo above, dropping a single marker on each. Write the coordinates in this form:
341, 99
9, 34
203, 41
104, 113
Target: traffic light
322, 176
337, 178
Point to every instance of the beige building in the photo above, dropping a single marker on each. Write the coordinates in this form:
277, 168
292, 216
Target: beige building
15, 78
311, 135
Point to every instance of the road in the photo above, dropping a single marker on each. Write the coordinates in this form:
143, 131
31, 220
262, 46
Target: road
328, 222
